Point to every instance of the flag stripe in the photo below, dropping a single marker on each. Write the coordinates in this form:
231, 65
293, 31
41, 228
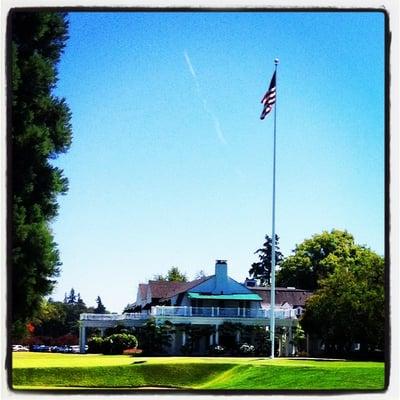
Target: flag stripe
269, 98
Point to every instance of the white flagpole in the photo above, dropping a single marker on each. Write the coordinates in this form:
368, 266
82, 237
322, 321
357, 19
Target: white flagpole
272, 316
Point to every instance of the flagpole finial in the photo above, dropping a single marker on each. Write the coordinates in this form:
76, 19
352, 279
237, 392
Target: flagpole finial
276, 61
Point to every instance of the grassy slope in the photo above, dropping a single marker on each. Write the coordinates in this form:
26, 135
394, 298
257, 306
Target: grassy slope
35, 370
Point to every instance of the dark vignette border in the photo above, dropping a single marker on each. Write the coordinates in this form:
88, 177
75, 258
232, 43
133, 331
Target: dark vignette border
387, 33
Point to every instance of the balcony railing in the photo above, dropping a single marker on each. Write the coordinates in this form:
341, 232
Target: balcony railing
114, 317
183, 311
234, 312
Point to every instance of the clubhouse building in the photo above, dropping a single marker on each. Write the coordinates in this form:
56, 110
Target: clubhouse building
208, 303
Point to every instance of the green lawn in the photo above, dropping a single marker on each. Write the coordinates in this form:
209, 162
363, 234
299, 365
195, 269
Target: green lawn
75, 371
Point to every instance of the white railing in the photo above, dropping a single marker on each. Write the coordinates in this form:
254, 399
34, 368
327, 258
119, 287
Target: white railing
114, 317
183, 311
232, 312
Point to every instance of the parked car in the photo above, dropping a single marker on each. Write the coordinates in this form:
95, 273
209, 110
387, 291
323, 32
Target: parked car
65, 349
40, 347
19, 347
75, 349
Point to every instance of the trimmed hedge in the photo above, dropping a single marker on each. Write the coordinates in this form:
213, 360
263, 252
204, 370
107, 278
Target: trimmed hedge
113, 344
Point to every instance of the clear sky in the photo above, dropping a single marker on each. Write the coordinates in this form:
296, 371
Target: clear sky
170, 164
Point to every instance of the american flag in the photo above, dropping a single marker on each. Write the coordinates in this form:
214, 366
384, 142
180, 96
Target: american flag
269, 98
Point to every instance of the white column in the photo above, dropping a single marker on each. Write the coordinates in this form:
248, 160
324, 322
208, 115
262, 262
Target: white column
211, 339
183, 338
216, 335
238, 336
286, 343
82, 338
279, 345
290, 341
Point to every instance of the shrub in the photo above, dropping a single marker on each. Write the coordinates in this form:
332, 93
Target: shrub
118, 328
217, 350
246, 349
118, 342
95, 345
186, 349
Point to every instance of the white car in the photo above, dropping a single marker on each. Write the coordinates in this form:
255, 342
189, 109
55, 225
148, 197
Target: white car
19, 347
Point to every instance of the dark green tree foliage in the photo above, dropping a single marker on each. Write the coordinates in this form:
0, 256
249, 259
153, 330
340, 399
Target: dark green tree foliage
195, 333
155, 338
100, 309
71, 298
40, 131
349, 306
118, 342
57, 318
262, 270
173, 275
115, 343
315, 259
51, 319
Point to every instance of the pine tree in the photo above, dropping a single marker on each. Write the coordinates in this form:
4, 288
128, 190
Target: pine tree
100, 309
72, 298
262, 270
40, 131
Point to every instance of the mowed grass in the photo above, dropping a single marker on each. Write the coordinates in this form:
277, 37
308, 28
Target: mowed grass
75, 371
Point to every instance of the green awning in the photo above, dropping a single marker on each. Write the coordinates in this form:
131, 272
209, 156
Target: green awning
247, 296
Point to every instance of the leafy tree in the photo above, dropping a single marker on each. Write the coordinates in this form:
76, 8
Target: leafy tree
349, 306
315, 259
57, 318
100, 309
73, 311
262, 270
154, 338
119, 328
40, 131
173, 275
51, 319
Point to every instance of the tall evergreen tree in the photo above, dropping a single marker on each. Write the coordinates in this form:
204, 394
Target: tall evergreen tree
72, 297
262, 270
100, 309
40, 131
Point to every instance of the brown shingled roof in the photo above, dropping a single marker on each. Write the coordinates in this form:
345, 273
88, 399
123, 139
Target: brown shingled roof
167, 289
295, 297
142, 291
185, 287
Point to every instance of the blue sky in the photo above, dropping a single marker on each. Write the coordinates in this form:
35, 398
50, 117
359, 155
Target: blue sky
170, 164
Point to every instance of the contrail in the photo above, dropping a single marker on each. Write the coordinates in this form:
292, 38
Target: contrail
215, 120
189, 63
